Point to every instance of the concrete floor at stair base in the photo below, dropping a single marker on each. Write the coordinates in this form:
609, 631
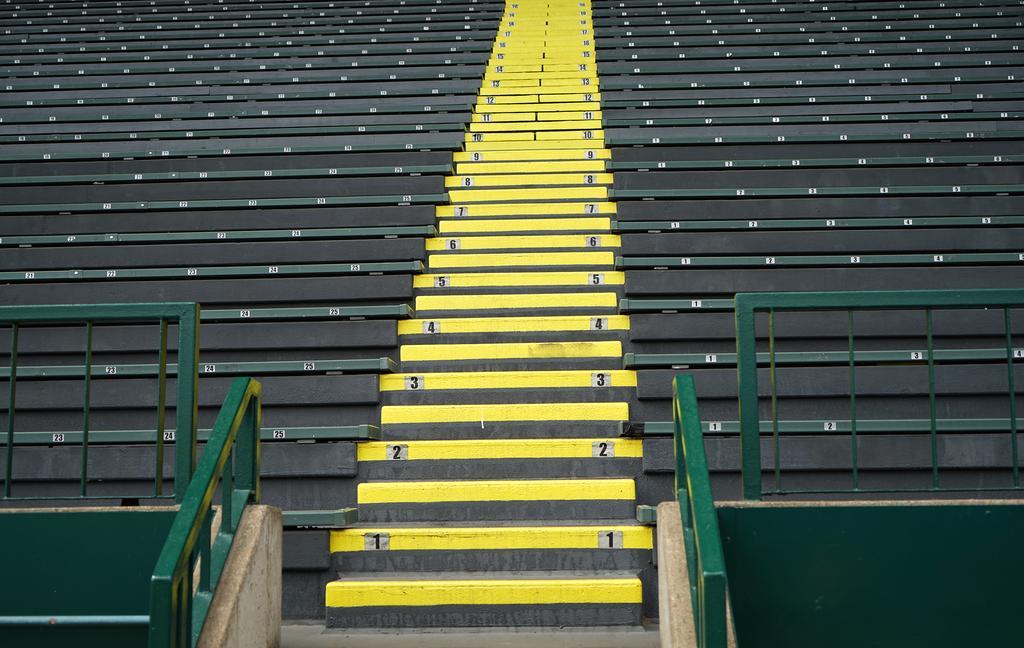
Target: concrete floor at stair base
583, 615
315, 636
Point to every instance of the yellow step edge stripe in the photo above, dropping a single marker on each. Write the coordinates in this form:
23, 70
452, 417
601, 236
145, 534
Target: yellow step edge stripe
539, 241
496, 413
507, 380
535, 126
521, 209
511, 490
524, 259
533, 156
417, 593
510, 351
529, 324
531, 167
535, 107
517, 279
525, 179
517, 300
483, 538
446, 450
530, 145
507, 195
524, 225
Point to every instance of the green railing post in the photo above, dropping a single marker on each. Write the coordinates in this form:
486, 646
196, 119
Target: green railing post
750, 424
702, 539
12, 395
187, 408
177, 612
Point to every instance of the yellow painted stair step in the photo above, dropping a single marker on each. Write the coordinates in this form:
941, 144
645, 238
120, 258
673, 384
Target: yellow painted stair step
527, 324
506, 195
535, 126
453, 226
507, 107
377, 592
520, 260
497, 537
588, 208
517, 300
539, 241
467, 449
496, 413
533, 156
526, 179
499, 490
539, 145
517, 279
510, 351
531, 167
560, 379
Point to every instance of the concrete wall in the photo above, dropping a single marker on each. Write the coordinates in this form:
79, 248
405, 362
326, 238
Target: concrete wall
246, 609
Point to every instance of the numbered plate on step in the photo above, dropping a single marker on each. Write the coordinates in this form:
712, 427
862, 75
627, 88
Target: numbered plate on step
376, 541
609, 539
603, 449
397, 452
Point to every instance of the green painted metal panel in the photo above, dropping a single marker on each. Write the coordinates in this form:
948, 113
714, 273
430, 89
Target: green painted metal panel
813, 260
932, 576
810, 358
44, 555
368, 365
804, 162
673, 305
875, 118
227, 203
839, 426
364, 432
390, 311
801, 192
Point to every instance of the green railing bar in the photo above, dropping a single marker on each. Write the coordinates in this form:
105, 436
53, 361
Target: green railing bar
705, 557
676, 102
186, 316
819, 79
225, 203
772, 389
747, 304
871, 118
391, 267
236, 150
80, 620
813, 223
365, 432
177, 615
851, 353
1012, 391
337, 519
12, 392
367, 365
240, 97
827, 426
393, 311
943, 258
790, 358
182, 176
161, 396
86, 407
674, 305
220, 236
910, 160
932, 411
615, 137
908, 190
225, 134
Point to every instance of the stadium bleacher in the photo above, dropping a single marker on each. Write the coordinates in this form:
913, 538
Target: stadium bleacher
466, 246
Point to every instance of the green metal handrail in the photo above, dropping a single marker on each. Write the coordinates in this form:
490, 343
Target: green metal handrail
747, 305
704, 556
178, 608
184, 315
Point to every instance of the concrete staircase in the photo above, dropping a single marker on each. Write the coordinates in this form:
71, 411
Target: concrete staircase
503, 495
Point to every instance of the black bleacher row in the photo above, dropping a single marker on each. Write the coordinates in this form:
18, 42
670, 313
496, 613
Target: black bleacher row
792, 146
227, 153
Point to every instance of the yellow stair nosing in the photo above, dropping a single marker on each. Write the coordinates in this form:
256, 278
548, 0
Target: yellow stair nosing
484, 538
509, 351
546, 379
415, 593
495, 490
498, 413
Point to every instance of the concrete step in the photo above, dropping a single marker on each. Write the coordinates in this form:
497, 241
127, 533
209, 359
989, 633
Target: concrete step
501, 499
458, 599
498, 547
596, 323
603, 260
458, 245
502, 430
515, 301
554, 379
450, 226
510, 351
540, 209
481, 413
521, 279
